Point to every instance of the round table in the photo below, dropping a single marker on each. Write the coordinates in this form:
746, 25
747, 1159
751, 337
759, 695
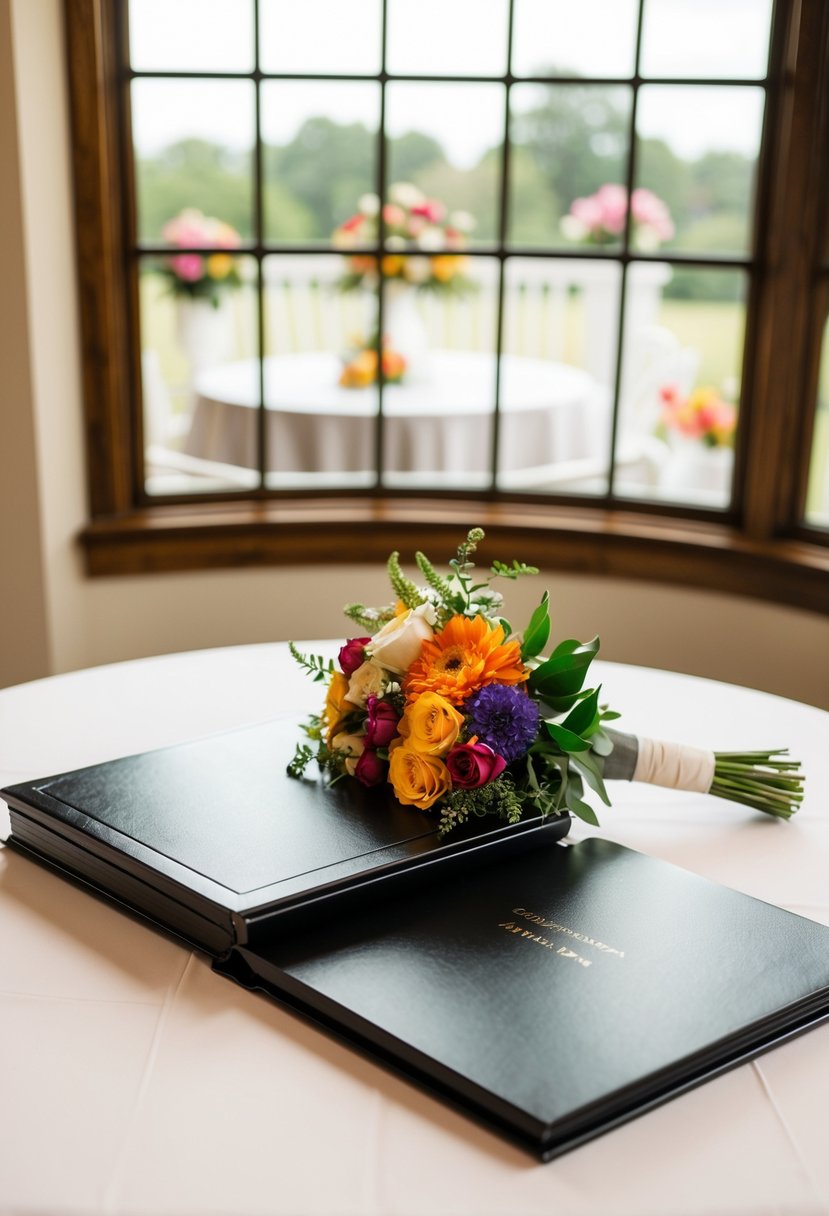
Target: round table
135, 1080
549, 412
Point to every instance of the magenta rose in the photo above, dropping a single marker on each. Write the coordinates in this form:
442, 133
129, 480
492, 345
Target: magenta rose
381, 723
370, 769
352, 655
474, 764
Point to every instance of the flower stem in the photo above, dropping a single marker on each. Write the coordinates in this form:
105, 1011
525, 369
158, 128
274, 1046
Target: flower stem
756, 779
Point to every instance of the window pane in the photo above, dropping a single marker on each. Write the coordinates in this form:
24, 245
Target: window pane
191, 35
193, 330
560, 336
321, 374
446, 139
559, 38
320, 155
319, 36
433, 38
680, 385
701, 171
193, 150
721, 38
318, 432
569, 143
817, 501
438, 430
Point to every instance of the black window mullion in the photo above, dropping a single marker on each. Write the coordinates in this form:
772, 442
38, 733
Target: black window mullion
620, 334
259, 238
503, 228
380, 425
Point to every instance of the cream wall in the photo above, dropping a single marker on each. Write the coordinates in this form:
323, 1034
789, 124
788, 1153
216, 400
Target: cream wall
56, 620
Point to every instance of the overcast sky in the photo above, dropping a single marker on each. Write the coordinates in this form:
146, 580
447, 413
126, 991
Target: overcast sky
706, 38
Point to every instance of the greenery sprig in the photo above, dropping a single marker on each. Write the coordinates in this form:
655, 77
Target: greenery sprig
317, 667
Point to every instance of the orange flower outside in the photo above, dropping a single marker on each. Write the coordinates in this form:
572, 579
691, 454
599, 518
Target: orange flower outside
464, 656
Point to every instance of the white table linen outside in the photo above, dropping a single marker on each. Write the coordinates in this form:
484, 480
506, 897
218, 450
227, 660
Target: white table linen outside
549, 412
135, 1081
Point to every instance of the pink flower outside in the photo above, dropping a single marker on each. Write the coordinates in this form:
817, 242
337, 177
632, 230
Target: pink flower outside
188, 266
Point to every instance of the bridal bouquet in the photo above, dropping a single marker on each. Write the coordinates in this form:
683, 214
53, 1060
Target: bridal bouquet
464, 717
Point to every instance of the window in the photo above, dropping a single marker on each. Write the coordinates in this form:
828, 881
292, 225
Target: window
627, 386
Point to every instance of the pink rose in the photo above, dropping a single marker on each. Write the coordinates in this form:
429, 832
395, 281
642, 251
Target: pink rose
381, 724
474, 764
188, 266
370, 769
352, 655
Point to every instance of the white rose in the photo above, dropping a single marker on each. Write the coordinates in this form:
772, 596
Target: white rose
418, 269
406, 194
573, 228
431, 238
369, 205
398, 643
370, 679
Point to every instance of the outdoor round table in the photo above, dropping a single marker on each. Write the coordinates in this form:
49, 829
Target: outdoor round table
442, 424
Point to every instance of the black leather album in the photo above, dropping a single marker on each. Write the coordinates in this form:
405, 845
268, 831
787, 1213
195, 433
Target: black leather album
552, 992
217, 843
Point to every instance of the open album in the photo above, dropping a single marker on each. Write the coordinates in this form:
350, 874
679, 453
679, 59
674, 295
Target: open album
551, 990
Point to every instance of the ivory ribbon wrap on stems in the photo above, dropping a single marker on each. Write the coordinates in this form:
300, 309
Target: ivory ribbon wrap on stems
674, 766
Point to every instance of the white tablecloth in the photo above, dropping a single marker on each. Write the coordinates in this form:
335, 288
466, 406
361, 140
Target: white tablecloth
135, 1081
550, 412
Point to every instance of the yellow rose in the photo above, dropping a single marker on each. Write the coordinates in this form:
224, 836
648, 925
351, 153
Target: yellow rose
336, 707
430, 724
417, 780
392, 265
219, 265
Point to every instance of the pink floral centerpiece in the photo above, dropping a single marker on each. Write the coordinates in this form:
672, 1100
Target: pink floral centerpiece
200, 276
600, 218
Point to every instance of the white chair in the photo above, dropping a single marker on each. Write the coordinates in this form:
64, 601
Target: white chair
168, 470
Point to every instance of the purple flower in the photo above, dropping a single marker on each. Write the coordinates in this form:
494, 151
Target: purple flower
504, 718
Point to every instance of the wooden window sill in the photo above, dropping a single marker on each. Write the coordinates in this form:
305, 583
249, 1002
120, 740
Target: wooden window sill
617, 543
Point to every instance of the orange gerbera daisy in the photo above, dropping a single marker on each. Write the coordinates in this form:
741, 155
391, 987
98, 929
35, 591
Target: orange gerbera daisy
464, 656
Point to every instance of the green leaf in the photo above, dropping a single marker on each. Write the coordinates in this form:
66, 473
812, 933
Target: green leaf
566, 647
565, 671
583, 809
566, 739
601, 743
538, 630
583, 719
559, 705
589, 769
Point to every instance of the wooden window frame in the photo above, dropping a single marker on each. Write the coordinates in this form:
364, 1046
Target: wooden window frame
759, 547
